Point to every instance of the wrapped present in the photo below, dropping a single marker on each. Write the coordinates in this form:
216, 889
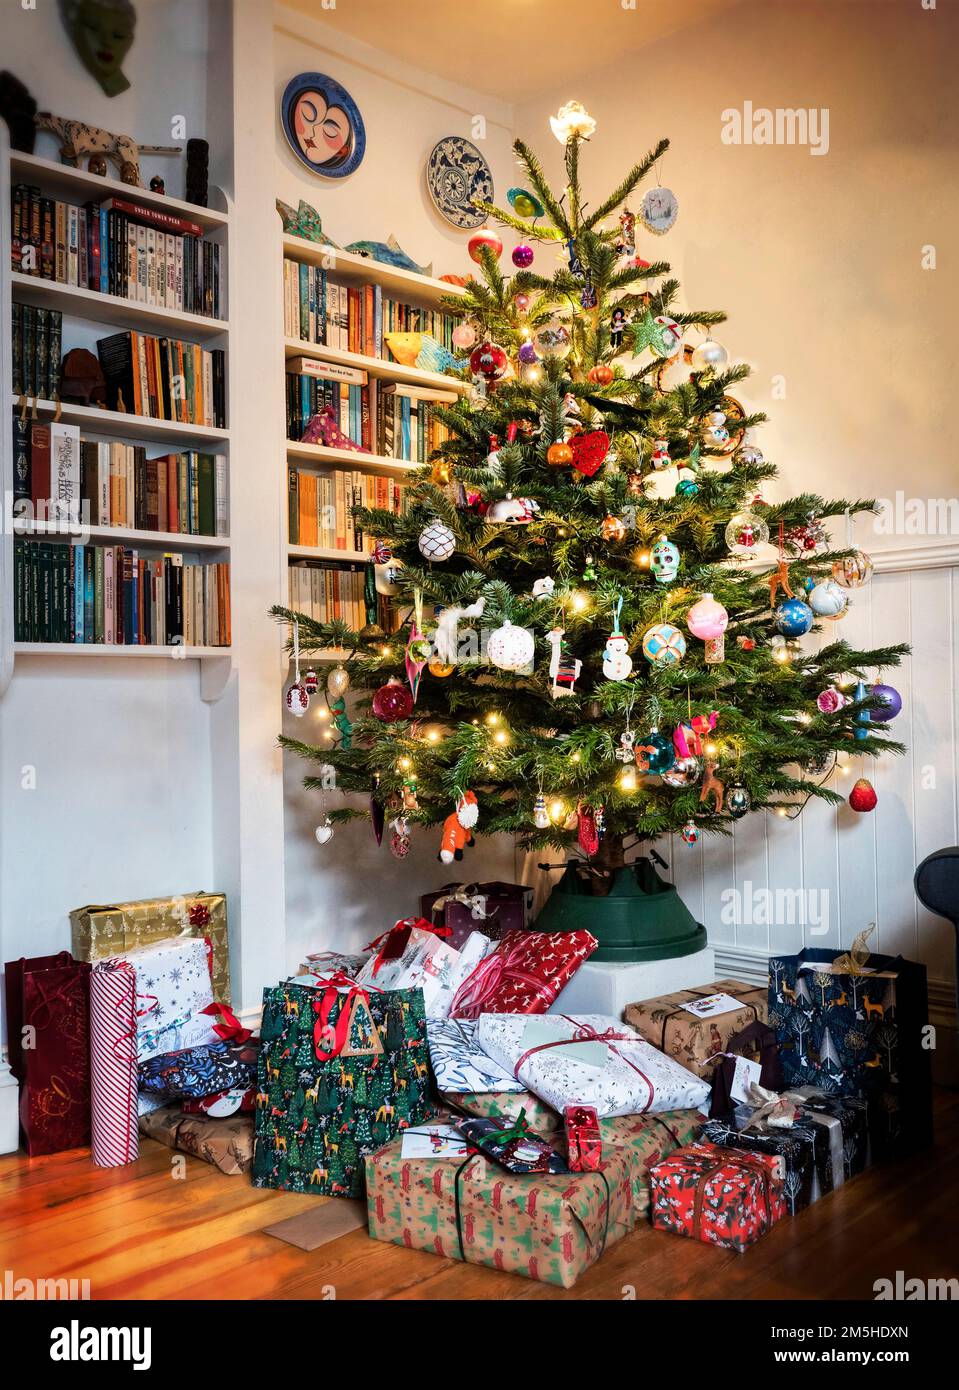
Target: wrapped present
803, 1147
589, 1059
524, 974
751, 1059
323, 963
694, 1025
174, 996
846, 1120
854, 1026
726, 1197
50, 995
415, 955
226, 1143
201, 1071
460, 1064
584, 1143
512, 1144
492, 908
504, 1105
113, 1063
342, 1069
100, 931
541, 1226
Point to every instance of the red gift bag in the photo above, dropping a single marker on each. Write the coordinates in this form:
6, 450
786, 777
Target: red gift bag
50, 995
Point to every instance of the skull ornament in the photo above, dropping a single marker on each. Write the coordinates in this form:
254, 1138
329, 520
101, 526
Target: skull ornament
664, 561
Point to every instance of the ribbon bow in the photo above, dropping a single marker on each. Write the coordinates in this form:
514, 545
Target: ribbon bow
585, 1032
391, 944
483, 982
229, 1029
772, 1109
476, 902
854, 961
518, 1130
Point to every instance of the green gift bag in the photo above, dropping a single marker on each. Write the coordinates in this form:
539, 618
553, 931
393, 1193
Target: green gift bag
341, 1071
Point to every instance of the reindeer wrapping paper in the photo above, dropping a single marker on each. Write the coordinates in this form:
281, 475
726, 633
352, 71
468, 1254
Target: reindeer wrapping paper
694, 1042
542, 1227
316, 1119
858, 1034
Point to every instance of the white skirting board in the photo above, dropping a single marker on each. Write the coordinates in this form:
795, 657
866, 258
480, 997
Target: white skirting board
9, 1111
603, 987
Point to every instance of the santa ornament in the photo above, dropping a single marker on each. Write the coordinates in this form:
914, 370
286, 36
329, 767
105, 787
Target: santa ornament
458, 828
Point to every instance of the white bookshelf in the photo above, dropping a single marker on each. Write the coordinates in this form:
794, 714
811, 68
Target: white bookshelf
425, 292
85, 306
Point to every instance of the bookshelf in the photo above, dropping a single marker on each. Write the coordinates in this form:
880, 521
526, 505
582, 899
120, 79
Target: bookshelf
87, 311
421, 291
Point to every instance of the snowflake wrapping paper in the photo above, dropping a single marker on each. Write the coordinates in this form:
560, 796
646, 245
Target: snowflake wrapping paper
590, 1059
428, 963
173, 989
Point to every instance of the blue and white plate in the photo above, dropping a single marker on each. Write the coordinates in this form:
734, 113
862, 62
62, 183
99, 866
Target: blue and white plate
456, 173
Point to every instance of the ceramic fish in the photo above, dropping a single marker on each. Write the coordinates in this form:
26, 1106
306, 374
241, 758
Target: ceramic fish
304, 221
390, 253
421, 350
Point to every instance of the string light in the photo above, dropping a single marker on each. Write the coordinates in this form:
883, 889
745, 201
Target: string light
404, 764
501, 737
575, 757
641, 558
711, 750
433, 736
557, 811
386, 651
492, 718
580, 602
628, 781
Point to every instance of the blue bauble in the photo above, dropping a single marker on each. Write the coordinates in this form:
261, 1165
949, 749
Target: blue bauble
793, 617
687, 487
656, 752
891, 702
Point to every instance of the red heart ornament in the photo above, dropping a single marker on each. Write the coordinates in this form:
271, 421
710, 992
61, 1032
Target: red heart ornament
589, 450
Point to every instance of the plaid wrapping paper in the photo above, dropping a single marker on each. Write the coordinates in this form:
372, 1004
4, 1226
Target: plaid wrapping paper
695, 1042
724, 1197
98, 931
649, 1137
543, 1227
316, 1120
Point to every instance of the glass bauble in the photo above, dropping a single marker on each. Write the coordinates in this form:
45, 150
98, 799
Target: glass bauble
392, 701
745, 531
854, 571
553, 340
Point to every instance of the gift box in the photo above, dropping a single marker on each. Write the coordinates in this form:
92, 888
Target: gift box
858, 1032
846, 1120
590, 1059
99, 931
541, 1226
694, 1025
174, 995
226, 1143
513, 1144
341, 1071
524, 974
726, 1197
50, 995
504, 1105
492, 908
415, 955
804, 1149
201, 1071
322, 963
584, 1142
460, 1064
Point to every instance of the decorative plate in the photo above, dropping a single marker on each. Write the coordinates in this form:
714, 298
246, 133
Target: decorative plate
456, 173
323, 125
659, 210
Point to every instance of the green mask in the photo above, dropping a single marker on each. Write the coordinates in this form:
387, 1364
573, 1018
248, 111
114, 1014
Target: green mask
102, 32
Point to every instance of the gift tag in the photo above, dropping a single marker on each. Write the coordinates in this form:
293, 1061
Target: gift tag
713, 1004
746, 1073
588, 1054
434, 1141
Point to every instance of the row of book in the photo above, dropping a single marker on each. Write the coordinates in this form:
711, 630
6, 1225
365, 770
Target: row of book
407, 424
108, 483
352, 404
392, 419
116, 247
317, 309
164, 378
36, 347
115, 596
328, 594
321, 507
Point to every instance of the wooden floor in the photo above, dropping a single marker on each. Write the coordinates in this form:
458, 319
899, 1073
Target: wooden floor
136, 1232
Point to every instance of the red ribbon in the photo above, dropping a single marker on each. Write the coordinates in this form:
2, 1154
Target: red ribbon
483, 982
230, 1029
585, 1032
330, 1039
392, 943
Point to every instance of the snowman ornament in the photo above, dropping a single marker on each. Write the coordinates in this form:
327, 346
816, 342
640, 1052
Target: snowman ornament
617, 662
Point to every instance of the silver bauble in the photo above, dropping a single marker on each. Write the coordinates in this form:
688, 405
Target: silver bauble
709, 354
683, 773
338, 682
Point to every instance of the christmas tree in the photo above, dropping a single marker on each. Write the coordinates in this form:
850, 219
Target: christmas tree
600, 613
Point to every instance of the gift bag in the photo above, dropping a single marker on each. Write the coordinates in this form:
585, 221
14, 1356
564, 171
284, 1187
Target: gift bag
415, 955
854, 1026
342, 1069
492, 908
735, 1070
50, 997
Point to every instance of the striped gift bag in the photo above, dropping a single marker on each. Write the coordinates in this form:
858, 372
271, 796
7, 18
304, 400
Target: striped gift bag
113, 1063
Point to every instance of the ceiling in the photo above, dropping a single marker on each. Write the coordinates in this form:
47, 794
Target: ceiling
511, 49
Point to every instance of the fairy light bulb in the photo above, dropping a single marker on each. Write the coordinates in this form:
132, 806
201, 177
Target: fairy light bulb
710, 750
322, 712
386, 651
433, 736
404, 764
575, 757
628, 781
580, 602
492, 718
501, 737
557, 811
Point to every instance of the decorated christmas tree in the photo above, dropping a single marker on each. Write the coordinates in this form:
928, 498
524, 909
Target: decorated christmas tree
601, 599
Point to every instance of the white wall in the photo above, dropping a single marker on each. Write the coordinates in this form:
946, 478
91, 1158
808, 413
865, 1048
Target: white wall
817, 261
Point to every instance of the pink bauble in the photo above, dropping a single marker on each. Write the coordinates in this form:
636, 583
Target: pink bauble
707, 619
484, 239
464, 335
392, 701
522, 302
522, 256
830, 700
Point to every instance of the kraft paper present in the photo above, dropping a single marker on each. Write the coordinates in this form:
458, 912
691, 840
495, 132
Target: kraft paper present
540, 1226
226, 1143
694, 1042
114, 929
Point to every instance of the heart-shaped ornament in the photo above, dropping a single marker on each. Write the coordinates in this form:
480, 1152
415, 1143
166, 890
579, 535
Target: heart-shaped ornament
589, 450
324, 831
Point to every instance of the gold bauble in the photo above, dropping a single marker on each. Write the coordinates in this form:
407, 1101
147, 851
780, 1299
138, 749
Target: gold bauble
439, 668
613, 529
